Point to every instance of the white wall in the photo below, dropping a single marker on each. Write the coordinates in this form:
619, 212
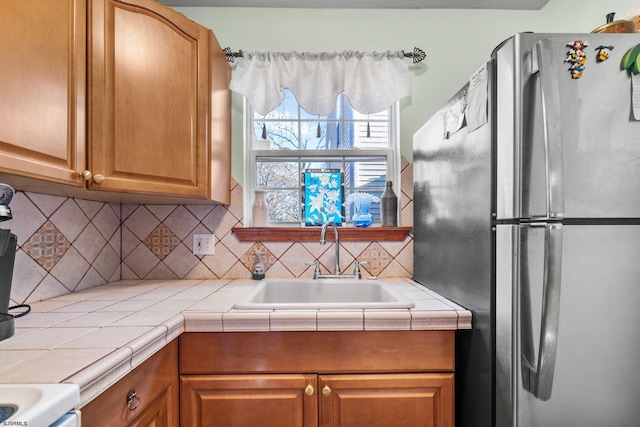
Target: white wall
456, 41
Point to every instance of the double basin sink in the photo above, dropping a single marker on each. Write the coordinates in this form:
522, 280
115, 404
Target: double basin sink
324, 293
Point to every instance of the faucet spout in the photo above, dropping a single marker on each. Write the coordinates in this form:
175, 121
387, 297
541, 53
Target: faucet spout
323, 241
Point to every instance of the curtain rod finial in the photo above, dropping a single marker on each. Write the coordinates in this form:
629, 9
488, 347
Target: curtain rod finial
418, 55
231, 55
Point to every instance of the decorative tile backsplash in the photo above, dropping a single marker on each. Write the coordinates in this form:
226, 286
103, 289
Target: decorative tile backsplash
69, 244
47, 246
63, 245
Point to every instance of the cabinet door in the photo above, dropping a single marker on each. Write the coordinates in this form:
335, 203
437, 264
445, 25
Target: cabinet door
382, 400
158, 413
42, 89
149, 99
248, 400
155, 383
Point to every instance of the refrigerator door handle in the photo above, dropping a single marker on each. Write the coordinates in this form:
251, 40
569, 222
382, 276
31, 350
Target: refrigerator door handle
540, 379
544, 63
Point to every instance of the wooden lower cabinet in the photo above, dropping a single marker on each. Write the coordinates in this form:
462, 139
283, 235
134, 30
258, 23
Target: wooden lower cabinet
155, 383
325, 379
382, 400
249, 400
374, 400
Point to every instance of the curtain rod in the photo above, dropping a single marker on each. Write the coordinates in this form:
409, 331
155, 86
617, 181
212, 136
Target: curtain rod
417, 54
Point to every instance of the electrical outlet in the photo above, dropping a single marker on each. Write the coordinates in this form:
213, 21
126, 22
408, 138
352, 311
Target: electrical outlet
204, 244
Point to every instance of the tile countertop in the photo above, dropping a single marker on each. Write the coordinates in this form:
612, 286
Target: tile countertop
96, 336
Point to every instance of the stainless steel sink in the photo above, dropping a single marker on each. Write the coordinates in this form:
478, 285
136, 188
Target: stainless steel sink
328, 293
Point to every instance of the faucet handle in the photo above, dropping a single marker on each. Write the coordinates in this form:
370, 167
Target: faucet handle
356, 270
316, 270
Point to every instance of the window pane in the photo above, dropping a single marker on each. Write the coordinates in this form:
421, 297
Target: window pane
284, 205
309, 135
365, 174
277, 175
342, 136
378, 138
281, 134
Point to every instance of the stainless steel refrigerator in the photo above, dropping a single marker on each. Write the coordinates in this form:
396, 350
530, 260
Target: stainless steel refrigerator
527, 212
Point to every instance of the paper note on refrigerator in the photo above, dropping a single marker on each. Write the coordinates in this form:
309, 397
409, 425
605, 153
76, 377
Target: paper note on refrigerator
454, 118
635, 95
477, 99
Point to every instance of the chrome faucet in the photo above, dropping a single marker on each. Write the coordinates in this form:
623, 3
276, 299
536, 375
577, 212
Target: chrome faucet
336, 273
337, 243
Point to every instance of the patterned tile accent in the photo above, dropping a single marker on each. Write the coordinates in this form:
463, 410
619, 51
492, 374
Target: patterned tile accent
266, 257
161, 241
47, 246
69, 244
378, 259
63, 245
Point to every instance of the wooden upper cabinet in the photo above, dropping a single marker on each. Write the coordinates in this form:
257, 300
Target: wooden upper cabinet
220, 124
42, 89
159, 103
128, 98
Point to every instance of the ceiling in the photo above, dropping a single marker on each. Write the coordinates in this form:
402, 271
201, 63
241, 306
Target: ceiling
366, 4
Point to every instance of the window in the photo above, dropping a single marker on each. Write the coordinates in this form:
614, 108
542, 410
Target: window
297, 141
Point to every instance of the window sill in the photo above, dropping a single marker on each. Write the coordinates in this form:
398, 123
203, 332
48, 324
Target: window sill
312, 234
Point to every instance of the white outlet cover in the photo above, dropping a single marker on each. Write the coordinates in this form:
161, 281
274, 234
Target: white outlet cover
204, 244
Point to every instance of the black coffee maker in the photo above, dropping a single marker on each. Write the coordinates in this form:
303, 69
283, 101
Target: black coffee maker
8, 244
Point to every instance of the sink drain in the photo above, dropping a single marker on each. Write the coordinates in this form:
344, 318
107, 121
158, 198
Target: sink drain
6, 411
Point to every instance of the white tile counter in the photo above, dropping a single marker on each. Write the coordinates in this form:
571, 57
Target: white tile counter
94, 337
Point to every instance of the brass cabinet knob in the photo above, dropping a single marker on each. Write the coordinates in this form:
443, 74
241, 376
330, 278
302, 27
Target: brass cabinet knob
326, 391
309, 390
88, 176
133, 400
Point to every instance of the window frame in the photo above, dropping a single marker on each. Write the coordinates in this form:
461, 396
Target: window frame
251, 156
